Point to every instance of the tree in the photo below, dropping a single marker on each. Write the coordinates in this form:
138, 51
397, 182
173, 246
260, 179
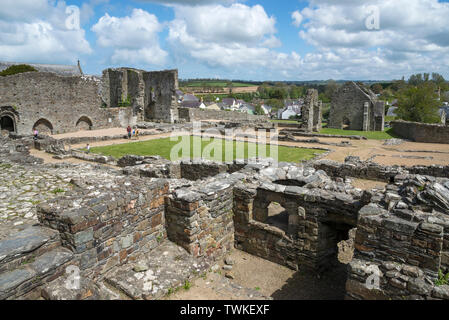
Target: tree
419, 104
331, 88
377, 88
258, 110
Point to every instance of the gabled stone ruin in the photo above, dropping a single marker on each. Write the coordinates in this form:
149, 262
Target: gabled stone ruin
355, 107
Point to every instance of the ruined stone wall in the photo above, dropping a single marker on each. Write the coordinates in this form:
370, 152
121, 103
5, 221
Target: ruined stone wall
160, 102
200, 219
122, 84
311, 112
194, 114
401, 243
421, 132
56, 104
354, 168
355, 107
110, 226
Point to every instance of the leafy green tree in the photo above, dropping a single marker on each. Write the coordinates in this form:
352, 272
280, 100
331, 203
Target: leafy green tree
331, 88
377, 88
419, 104
258, 110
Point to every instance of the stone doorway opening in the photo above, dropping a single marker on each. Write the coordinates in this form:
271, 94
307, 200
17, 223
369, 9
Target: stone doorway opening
7, 124
346, 124
43, 126
335, 244
84, 124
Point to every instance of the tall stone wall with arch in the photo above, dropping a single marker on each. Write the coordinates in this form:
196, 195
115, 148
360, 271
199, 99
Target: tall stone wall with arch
59, 104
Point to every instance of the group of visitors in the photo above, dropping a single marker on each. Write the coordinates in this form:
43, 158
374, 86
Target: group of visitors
132, 132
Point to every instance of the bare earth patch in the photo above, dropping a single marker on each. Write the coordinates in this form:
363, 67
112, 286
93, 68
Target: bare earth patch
271, 280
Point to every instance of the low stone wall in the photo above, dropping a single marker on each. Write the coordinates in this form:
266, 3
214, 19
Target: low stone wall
433, 170
355, 168
421, 132
192, 114
402, 242
200, 169
313, 222
359, 169
108, 225
200, 219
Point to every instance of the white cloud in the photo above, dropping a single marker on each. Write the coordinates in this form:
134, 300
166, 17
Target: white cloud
133, 38
297, 18
190, 2
231, 37
35, 31
412, 35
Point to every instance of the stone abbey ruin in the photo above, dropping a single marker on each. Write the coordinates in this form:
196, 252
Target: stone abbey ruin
137, 227
356, 108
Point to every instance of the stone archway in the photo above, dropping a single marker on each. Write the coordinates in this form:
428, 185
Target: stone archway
346, 123
84, 123
7, 123
43, 126
9, 117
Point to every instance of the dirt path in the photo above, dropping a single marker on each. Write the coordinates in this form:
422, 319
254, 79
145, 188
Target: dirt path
271, 280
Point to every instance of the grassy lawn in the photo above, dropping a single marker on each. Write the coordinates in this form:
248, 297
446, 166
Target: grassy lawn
374, 135
284, 121
163, 147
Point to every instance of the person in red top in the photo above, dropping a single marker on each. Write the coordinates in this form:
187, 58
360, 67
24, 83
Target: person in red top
129, 132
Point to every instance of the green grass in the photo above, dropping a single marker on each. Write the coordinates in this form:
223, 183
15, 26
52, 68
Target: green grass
163, 147
284, 121
390, 118
374, 135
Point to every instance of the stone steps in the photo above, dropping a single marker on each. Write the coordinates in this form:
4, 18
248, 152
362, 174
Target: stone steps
16, 283
24, 246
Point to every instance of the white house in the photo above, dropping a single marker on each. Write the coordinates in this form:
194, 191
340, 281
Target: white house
290, 111
266, 109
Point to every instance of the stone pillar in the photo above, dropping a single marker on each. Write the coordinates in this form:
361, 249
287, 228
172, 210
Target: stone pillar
317, 116
308, 110
366, 116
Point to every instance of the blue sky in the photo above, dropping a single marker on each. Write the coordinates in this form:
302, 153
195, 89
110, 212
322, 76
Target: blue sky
250, 40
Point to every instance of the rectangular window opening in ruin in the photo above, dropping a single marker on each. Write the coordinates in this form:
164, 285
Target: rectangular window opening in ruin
277, 216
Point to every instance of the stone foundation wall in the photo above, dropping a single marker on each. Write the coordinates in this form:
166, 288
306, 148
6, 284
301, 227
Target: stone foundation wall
311, 227
110, 226
200, 219
401, 243
359, 169
421, 132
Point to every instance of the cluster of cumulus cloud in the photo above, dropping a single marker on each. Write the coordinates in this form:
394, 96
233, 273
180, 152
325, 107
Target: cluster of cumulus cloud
227, 34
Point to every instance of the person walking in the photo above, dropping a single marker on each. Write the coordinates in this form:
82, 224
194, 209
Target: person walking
35, 134
129, 130
88, 148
